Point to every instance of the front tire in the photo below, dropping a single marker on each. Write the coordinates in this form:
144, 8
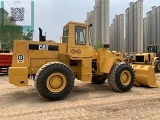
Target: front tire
121, 77
157, 66
54, 81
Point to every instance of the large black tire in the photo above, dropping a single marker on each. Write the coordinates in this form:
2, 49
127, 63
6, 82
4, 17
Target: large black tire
99, 79
157, 66
54, 81
121, 77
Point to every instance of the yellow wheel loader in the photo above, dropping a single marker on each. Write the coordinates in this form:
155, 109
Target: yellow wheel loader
144, 66
152, 57
154, 51
56, 65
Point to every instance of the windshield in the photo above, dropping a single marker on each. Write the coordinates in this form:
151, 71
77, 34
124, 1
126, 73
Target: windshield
65, 35
152, 49
80, 35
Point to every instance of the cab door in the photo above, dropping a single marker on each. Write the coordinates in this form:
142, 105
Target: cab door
80, 47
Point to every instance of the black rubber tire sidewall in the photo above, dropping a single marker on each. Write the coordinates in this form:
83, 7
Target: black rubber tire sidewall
124, 88
45, 73
114, 77
156, 66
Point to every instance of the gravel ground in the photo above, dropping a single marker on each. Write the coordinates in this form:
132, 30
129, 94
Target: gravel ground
87, 101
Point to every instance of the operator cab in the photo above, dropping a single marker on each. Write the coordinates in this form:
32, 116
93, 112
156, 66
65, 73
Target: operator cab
154, 49
77, 31
77, 37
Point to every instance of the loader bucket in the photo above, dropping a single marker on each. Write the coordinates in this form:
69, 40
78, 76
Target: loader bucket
144, 75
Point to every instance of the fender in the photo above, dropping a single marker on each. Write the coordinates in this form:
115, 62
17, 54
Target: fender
108, 63
154, 59
106, 59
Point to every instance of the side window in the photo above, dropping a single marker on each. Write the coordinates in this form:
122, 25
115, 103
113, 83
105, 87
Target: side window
158, 49
65, 35
90, 36
80, 35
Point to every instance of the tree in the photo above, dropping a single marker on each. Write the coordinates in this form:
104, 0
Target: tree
9, 31
8, 34
28, 35
99, 44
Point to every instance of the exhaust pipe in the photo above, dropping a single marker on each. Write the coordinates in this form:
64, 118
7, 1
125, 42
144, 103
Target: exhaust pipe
41, 37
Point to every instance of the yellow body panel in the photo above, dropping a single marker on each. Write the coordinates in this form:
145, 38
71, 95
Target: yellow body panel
18, 76
148, 57
106, 59
85, 70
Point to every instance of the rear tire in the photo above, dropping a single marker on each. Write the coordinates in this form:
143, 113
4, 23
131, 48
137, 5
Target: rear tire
157, 66
54, 81
99, 79
121, 77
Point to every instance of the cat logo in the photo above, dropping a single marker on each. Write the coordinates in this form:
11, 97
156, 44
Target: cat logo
43, 47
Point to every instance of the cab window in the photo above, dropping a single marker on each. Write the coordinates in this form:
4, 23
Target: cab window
158, 48
151, 49
65, 35
80, 35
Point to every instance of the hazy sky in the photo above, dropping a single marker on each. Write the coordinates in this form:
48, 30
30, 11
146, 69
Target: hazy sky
52, 15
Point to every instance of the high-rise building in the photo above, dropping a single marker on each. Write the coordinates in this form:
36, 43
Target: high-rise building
111, 35
145, 35
134, 27
117, 33
105, 21
99, 18
91, 20
5, 18
127, 36
158, 25
3, 15
152, 27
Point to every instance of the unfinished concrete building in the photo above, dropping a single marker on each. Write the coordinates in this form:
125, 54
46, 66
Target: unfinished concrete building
91, 20
99, 18
152, 27
117, 33
111, 36
134, 27
145, 35
158, 25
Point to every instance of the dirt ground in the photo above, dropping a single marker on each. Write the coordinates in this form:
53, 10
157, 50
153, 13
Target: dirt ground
87, 101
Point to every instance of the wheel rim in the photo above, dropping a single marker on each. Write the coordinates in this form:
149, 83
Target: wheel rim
56, 82
125, 77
